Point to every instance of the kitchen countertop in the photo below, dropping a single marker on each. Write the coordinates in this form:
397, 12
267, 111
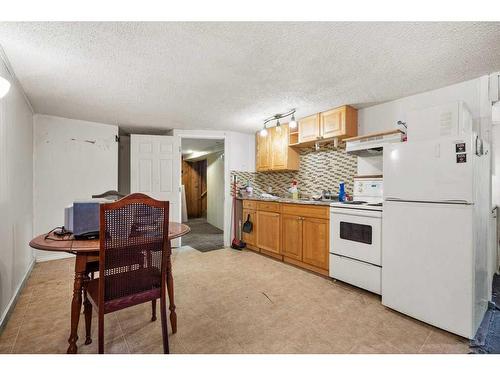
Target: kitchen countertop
289, 200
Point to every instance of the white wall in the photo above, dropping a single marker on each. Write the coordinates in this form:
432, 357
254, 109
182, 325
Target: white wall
215, 189
239, 151
73, 159
16, 194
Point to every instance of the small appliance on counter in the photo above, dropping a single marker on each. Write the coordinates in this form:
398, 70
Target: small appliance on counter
82, 218
356, 236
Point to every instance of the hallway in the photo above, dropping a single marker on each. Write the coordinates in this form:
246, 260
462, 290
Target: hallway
203, 236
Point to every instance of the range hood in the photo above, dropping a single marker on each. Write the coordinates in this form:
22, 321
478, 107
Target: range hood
372, 144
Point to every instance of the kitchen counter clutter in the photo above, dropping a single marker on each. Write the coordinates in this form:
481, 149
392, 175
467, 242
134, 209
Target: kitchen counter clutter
293, 232
291, 201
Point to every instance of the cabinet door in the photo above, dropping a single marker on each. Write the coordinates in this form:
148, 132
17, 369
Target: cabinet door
309, 129
249, 238
332, 123
315, 242
263, 145
291, 236
268, 231
279, 147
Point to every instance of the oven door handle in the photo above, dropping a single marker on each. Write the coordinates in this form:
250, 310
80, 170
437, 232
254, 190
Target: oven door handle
355, 213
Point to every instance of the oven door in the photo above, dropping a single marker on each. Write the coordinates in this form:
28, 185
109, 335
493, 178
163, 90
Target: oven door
356, 234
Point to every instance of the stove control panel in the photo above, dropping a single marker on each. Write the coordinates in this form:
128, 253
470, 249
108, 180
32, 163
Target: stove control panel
368, 188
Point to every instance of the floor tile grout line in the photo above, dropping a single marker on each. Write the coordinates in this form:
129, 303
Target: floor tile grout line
123, 334
425, 341
22, 322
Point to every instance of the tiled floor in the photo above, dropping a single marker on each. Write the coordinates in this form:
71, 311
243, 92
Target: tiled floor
227, 302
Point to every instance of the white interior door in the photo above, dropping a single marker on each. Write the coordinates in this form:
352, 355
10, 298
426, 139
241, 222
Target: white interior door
155, 170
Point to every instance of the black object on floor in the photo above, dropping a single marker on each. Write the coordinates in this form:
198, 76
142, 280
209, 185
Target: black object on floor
487, 340
203, 236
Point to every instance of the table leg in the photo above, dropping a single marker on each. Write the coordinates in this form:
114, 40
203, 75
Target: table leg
170, 288
76, 303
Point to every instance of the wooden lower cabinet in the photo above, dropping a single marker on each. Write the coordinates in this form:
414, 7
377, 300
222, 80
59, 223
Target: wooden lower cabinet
315, 242
268, 232
250, 238
291, 236
296, 234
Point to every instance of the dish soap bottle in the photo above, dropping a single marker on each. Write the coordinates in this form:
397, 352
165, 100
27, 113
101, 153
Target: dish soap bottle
342, 192
294, 190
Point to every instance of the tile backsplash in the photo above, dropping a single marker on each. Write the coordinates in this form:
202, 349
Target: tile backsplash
319, 170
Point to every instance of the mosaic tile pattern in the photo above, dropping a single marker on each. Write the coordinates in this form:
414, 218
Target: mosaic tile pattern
319, 170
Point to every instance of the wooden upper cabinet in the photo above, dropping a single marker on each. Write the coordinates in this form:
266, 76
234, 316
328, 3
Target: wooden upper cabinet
340, 122
331, 123
309, 129
315, 241
291, 236
268, 231
263, 152
279, 141
273, 151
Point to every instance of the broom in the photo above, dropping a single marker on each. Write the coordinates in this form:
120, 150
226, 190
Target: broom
236, 243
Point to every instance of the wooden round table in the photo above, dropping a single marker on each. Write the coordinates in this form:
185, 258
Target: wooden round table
87, 251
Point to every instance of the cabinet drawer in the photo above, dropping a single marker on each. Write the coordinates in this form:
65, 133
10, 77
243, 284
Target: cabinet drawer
268, 206
303, 210
251, 205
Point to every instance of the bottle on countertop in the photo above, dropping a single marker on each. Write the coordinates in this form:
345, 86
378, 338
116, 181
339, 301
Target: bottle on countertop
342, 192
249, 189
294, 190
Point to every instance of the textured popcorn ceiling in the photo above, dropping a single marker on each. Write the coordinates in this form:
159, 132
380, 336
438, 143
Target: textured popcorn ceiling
234, 75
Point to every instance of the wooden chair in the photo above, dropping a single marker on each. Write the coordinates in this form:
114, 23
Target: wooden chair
134, 248
93, 265
109, 194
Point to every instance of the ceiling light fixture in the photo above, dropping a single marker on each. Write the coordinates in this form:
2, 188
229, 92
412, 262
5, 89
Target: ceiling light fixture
4, 87
277, 117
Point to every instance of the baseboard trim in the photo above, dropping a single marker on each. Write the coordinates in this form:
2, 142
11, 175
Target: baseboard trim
12, 303
54, 256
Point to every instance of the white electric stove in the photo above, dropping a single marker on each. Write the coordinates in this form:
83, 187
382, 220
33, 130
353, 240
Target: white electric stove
356, 236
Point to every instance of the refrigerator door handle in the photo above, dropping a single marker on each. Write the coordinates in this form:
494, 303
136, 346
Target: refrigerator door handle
457, 201
446, 201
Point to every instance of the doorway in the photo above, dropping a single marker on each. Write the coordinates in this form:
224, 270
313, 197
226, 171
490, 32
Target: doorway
202, 172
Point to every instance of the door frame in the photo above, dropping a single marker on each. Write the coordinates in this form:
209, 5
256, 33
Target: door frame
208, 134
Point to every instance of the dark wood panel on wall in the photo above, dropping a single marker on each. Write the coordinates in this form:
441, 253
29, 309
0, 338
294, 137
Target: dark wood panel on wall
194, 179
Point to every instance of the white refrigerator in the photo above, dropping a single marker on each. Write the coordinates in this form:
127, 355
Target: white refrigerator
436, 214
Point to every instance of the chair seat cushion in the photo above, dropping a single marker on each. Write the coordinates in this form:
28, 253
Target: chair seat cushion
143, 284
